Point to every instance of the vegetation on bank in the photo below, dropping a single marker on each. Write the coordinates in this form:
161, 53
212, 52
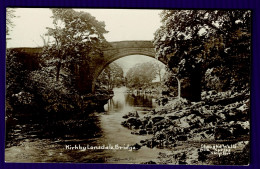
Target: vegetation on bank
44, 88
206, 46
112, 76
144, 74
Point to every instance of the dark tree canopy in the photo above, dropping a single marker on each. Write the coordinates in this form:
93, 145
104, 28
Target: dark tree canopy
192, 41
77, 37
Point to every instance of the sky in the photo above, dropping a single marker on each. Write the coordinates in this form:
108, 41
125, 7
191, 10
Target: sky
122, 24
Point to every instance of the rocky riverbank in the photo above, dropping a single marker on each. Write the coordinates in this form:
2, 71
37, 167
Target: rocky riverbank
220, 118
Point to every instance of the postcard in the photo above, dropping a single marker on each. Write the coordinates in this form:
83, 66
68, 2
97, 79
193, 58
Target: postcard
128, 86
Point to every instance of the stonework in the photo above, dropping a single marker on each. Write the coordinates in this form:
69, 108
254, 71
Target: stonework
114, 51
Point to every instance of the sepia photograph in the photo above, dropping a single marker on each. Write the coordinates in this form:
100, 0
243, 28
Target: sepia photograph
128, 86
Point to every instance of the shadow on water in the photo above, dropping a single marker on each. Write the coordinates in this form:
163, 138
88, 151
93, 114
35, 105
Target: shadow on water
53, 127
44, 139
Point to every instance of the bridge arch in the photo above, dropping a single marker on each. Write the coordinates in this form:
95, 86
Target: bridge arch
119, 55
115, 50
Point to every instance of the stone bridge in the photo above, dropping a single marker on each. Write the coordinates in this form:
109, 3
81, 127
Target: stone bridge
121, 49
116, 50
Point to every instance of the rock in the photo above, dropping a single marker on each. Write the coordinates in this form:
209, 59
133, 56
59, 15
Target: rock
177, 104
164, 101
135, 132
125, 116
184, 123
182, 162
131, 114
195, 126
243, 108
225, 100
244, 125
134, 122
198, 121
182, 138
222, 116
157, 119
190, 117
142, 132
150, 132
136, 146
171, 139
173, 117
160, 136
136, 114
142, 141
124, 123
197, 105
209, 119
203, 155
149, 162
149, 125
238, 130
222, 133
151, 143
165, 92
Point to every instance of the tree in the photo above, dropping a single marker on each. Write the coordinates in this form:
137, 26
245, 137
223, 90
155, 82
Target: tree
141, 74
159, 67
9, 16
112, 76
192, 41
77, 37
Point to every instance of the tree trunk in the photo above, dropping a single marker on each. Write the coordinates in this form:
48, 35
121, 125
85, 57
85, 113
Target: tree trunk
195, 85
179, 88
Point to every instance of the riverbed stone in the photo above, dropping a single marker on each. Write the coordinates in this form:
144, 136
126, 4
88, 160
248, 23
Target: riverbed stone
157, 119
142, 132
222, 133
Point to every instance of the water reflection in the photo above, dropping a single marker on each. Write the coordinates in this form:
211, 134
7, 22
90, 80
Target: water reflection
114, 133
123, 100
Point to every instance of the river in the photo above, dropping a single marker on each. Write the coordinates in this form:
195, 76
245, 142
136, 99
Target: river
112, 146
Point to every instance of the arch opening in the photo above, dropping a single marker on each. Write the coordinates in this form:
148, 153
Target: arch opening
125, 62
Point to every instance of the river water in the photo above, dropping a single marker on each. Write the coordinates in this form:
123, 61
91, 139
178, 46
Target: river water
112, 146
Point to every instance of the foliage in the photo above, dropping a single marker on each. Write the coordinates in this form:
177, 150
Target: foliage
142, 74
112, 76
10, 14
15, 78
159, 67
192, 41
46, 83
77, 36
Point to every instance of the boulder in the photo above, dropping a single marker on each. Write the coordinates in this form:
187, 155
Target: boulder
134, 122
239, 130
136, 146
222, 133
142, 132
157, 119
151, 143
149, 162
182, 138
